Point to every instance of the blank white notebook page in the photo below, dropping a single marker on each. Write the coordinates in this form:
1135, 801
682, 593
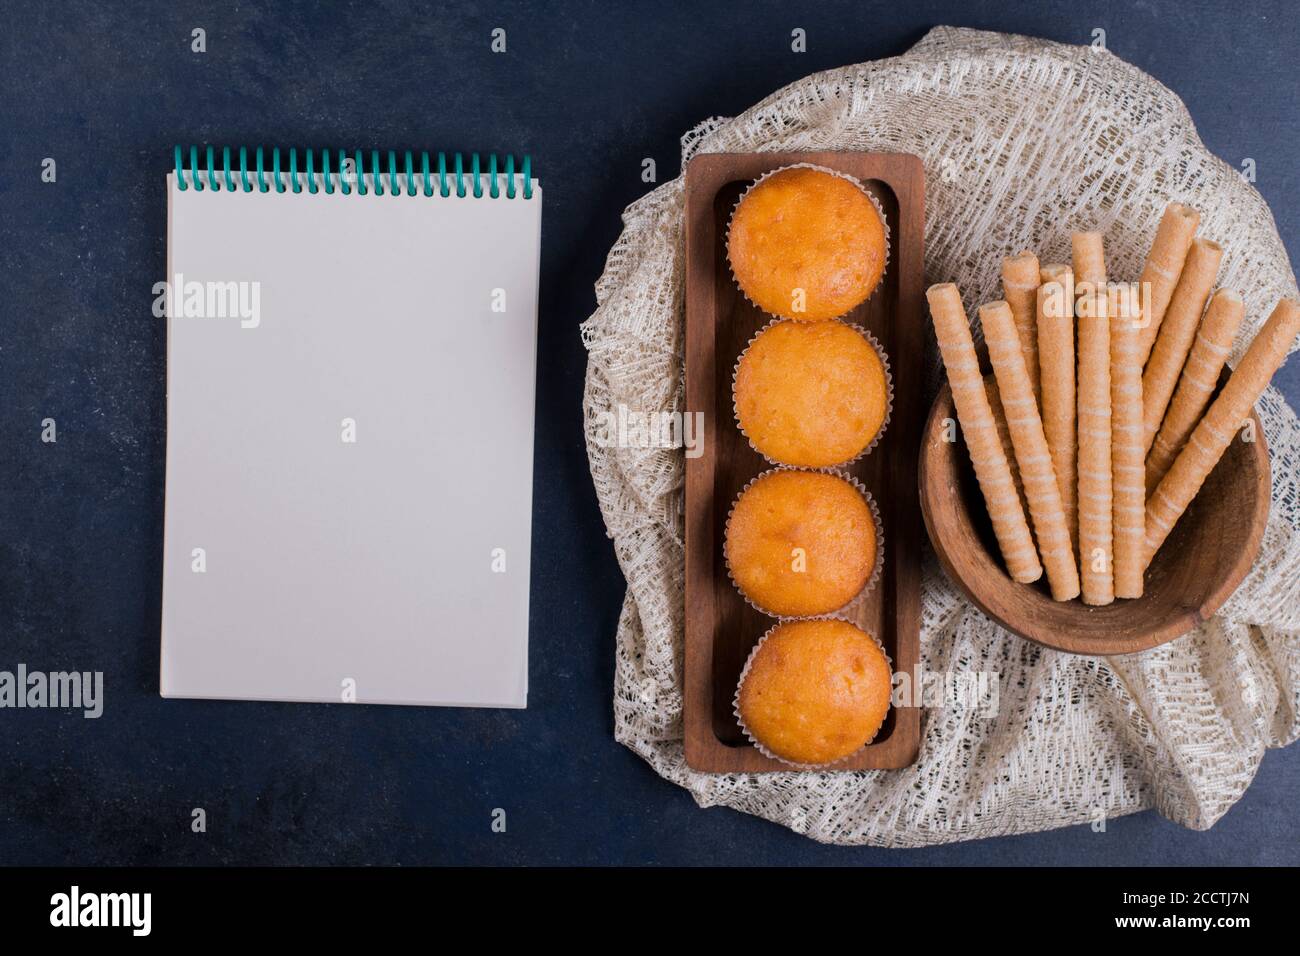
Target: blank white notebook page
350, 405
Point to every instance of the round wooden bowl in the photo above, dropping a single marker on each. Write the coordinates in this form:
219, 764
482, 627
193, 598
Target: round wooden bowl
1201, 563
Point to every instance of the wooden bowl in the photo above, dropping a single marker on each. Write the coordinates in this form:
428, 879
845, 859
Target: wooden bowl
1201, 563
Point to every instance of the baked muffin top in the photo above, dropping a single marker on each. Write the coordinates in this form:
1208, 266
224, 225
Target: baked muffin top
806, 244
815, 691
800, 543
811, 394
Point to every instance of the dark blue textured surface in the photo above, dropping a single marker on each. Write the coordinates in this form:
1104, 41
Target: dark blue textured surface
589, 91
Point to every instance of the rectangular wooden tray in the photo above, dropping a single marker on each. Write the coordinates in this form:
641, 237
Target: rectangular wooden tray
721, 628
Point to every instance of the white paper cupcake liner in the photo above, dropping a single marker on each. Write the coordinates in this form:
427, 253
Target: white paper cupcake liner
884, 270
758, 745
889, 396
872, 579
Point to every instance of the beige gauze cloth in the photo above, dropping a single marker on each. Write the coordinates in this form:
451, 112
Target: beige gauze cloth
1022, 141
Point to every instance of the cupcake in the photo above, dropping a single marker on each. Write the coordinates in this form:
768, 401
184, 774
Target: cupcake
801, 543
814, 692
811, 394
808, 244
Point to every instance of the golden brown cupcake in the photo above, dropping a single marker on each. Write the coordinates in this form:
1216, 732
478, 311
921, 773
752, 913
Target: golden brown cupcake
807, 244
814, 692
801, 543
811, 394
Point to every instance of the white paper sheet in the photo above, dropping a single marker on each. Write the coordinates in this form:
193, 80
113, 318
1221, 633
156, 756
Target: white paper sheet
393, 567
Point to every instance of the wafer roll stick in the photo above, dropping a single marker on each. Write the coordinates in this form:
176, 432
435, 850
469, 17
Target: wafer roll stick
977, 425
1210, 439
1020, 281
1095, 500
1197, 383
1163, 267
1054, 308
1089, 262
1032, 456
1176, 334
1128, 473
1056, 272
1004, 435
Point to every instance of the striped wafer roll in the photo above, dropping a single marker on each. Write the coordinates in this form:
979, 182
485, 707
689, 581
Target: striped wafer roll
1128, 474
1020, 280
1197, 383
1163, 267
1089, 262
1096, 504
1210, 439
1176, 334
1032, 456
1055, 315
1004, 435
977, 425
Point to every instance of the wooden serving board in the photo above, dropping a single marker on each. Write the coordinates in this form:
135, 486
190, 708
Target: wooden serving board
721, 628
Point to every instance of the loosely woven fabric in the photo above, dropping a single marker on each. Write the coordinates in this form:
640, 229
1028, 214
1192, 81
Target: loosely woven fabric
1023, 141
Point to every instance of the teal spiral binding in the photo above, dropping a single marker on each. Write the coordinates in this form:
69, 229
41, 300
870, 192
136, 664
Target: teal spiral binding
367, 179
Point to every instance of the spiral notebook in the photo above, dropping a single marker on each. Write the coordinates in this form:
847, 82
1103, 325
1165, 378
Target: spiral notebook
351, 359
